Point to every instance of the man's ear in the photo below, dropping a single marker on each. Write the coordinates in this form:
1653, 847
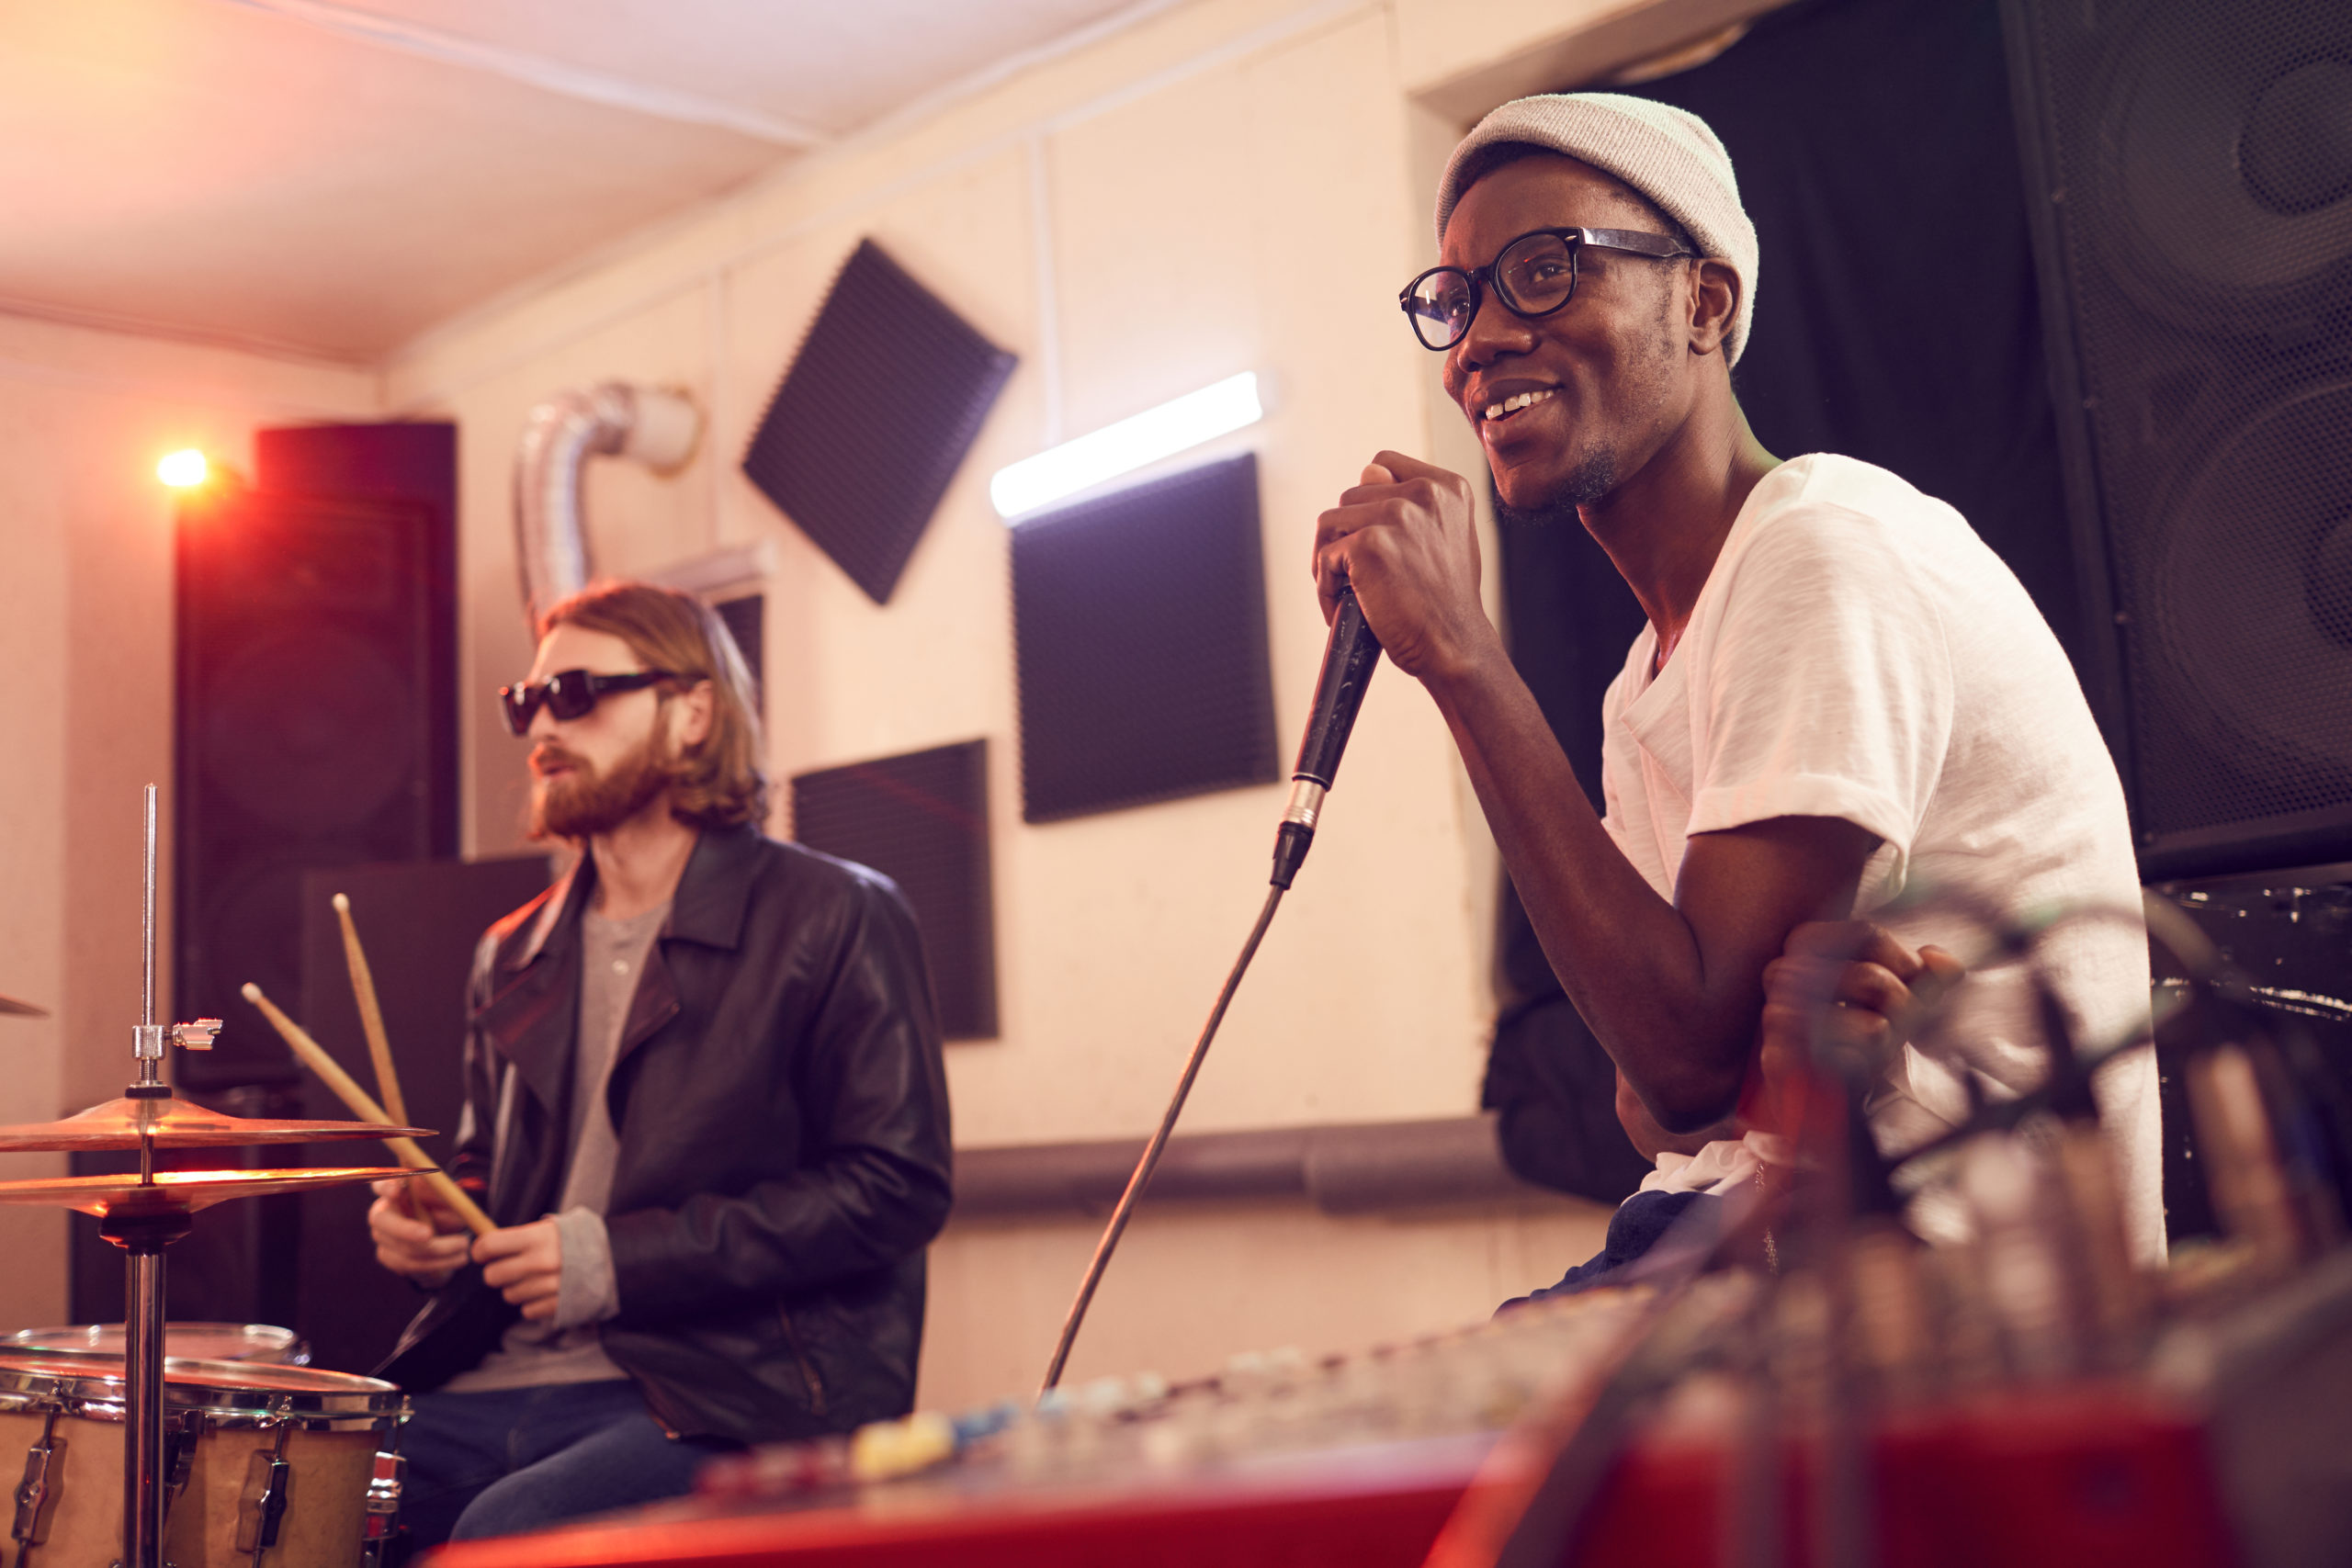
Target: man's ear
697, 707
1714, 304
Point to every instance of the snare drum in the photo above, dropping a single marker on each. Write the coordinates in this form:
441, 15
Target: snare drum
197, 1341
265, 1466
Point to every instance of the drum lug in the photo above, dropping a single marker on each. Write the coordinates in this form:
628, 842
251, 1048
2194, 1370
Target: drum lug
180, 1440
383, 1507
36, 1494
263, 1507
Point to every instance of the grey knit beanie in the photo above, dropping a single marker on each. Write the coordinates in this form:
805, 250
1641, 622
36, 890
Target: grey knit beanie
1667, 155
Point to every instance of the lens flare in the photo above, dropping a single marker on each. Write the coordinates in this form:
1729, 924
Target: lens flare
183, 470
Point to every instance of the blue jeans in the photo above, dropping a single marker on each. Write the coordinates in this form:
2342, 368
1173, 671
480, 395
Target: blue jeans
505, 1461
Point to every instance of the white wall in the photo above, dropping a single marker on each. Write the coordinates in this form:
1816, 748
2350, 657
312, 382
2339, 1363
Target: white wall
85, 699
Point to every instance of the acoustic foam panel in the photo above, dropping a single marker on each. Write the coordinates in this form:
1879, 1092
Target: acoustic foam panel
879, 406
745, 618
920, 819
1140, 622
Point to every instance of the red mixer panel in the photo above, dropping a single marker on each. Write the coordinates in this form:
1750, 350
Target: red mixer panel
2056, 1478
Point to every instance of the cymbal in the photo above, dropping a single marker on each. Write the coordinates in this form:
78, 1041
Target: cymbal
182, 1191
12, 1006
177, 1124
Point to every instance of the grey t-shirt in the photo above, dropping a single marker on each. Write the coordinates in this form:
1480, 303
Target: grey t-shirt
570, 1348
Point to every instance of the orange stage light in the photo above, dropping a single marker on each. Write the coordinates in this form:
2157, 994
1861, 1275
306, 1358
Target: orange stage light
184, 470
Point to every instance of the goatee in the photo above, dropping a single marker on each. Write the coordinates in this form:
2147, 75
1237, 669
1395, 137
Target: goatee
587, 803
1592, 480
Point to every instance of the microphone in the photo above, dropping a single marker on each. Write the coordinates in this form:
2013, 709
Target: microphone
1349, 659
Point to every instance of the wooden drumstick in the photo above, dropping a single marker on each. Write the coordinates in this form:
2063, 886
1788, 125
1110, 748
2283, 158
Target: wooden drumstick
371, 1015
314, 1056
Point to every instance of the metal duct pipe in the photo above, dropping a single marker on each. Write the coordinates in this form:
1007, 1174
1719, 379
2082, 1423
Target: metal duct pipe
656, 427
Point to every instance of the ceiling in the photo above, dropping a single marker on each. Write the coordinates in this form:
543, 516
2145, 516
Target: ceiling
333, 178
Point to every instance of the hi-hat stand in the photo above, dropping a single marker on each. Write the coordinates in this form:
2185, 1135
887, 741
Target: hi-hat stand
142, 1231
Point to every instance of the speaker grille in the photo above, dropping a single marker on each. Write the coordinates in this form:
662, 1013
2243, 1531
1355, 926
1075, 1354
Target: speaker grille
2198, 159
307, 722
920, 819
880, 405
1139, 621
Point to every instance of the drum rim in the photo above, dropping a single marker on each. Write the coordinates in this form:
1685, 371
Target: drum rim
226, 1392
261, 1333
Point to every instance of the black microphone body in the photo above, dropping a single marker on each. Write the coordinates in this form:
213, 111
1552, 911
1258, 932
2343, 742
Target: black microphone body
1349, 659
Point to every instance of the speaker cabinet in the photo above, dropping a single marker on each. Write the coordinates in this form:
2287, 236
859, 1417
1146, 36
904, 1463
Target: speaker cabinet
2189, 166
420, 925
315, 727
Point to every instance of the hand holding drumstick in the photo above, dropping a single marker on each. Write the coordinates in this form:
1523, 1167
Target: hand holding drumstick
416, 1235
314, 1056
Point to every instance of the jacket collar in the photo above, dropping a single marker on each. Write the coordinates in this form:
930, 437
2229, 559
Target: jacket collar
534, 1011
716, 888
707, 907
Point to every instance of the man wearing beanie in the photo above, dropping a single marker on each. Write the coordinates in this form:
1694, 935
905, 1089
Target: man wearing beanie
1841, 693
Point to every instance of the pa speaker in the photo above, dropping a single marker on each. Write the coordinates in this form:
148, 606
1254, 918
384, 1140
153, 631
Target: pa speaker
2189, 170
315, 727
421, 923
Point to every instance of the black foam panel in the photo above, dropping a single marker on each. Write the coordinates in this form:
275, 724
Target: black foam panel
920, 819
745, 618
1140, 622
879, 406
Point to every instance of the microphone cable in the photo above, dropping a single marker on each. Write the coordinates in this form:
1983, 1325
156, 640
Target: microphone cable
1349, 659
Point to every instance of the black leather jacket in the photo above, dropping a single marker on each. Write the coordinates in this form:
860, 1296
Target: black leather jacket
783, 1154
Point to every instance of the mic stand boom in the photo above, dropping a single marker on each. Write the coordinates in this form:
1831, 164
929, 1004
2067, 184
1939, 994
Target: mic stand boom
1348, 662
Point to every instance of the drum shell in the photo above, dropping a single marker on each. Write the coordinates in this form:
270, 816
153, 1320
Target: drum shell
332, 1426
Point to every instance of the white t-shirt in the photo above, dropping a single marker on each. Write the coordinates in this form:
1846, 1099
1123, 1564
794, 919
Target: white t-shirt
1858, 653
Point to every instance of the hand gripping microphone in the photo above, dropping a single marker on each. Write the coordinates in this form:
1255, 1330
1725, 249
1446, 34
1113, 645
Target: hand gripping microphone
1349, 659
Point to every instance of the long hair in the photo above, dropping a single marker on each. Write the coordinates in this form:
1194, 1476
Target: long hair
719, 784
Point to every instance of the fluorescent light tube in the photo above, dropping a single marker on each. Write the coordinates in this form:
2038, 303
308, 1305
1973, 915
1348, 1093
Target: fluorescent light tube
1120, 448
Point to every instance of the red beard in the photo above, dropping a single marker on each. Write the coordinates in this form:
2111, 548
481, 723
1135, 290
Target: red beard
586, 803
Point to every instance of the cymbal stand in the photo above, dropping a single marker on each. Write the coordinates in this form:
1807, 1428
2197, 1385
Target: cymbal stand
143, 1233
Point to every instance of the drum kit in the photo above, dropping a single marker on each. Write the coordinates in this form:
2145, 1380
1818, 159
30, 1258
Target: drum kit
232, 1449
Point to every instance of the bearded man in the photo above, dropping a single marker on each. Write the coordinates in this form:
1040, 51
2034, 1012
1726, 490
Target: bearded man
705, 1100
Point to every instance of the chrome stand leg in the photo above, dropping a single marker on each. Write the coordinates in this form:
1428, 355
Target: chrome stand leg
143, 1237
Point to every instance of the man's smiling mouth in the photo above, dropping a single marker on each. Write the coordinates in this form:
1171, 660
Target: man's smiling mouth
1511, 405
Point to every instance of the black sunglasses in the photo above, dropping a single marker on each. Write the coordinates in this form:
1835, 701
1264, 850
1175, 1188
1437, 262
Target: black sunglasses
1534, 275
569, 694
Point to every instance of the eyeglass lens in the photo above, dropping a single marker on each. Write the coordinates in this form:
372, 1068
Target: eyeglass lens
1535, 274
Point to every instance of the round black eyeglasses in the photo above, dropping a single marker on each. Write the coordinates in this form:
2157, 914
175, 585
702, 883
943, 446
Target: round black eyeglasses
569, 694
1534, 275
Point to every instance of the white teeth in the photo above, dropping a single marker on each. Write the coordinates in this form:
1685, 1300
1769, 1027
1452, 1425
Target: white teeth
1514, 403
